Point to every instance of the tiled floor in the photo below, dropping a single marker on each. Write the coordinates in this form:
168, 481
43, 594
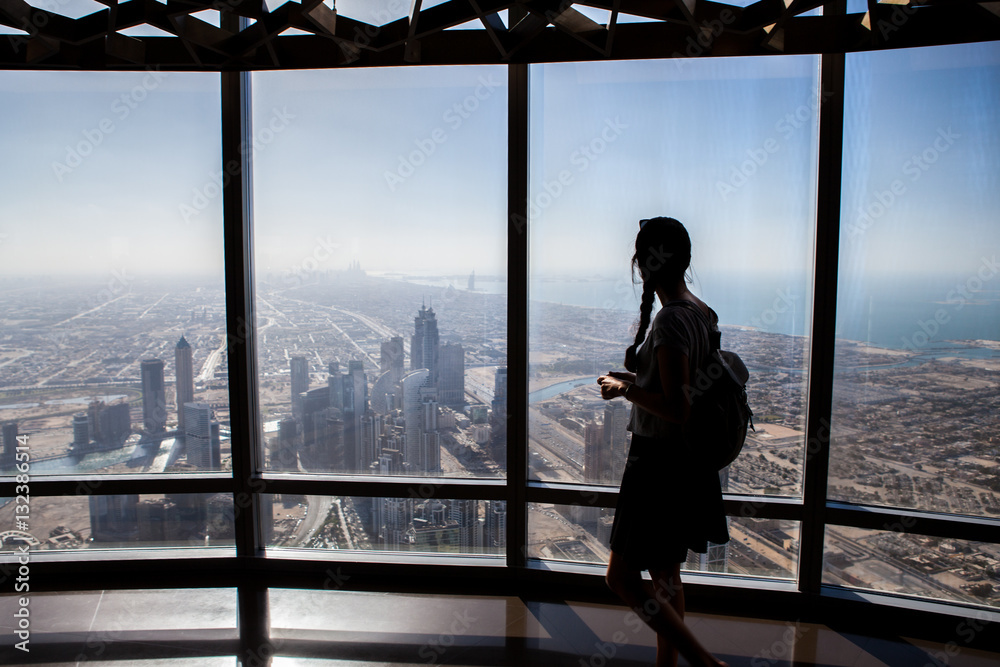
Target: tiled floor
352, 629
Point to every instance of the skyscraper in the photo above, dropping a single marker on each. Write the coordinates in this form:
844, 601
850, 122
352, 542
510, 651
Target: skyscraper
184, 370
465, 514
330, 443
335, 381
110, 425
596, 457
200, 438
81, 432
300, 380
424, 344
420, 413
495, 530
114, 518
9, 441
498, 417
355, 406
393, 358
616, 437
451, 381
284, 455
154, 396
430, 444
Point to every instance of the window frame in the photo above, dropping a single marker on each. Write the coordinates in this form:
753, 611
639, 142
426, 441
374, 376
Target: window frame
813, 510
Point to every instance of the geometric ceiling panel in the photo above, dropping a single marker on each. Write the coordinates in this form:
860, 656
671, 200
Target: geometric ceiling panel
216, 35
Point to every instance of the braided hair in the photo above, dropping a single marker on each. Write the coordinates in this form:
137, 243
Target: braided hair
662, 255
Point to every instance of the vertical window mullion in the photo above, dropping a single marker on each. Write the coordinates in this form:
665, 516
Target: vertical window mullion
238, 216
821, 359
517, 315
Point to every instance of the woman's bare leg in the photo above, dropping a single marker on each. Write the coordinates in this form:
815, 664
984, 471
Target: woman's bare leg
663, 618
667, 589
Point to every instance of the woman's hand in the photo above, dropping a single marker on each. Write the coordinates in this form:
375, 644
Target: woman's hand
613, 386
623, 375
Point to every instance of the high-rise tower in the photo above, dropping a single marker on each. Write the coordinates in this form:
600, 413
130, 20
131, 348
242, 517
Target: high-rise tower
596, 457
495, 530
154, 396
9, 441
114, 518
498, 417
355, 388
201, 436
300, 377
393, 358
424, 344
81, 432
184, 370
616, 437
422, 453
451, 380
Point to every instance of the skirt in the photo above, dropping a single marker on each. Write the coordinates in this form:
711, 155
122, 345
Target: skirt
669, 503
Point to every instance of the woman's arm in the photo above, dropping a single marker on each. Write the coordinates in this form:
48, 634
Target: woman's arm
672, 405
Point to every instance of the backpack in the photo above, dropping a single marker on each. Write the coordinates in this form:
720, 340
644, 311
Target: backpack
720, 414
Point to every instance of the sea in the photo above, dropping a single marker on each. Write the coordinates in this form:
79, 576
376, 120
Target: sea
940, 312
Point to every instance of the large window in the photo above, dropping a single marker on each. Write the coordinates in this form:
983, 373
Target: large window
381, 270
728, 146
376, 405
113, 357
917, 384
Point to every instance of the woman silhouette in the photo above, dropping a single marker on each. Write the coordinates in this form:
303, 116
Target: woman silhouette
669, 501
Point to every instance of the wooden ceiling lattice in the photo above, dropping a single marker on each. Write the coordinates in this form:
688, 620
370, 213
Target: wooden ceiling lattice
250, 36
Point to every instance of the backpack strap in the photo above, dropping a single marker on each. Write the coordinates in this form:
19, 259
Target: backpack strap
714, 335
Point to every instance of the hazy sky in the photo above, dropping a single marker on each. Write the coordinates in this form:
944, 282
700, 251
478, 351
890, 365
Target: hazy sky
405, 169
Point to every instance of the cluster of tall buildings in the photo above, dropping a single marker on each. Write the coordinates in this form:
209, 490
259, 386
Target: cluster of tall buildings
390, 427
101, 427
175, 517
460, 526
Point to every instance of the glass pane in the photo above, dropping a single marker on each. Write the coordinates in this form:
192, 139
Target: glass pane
380, 223
112, 290
917, 391
129, 521
385, 524
729, 147
931, 567
582, 533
